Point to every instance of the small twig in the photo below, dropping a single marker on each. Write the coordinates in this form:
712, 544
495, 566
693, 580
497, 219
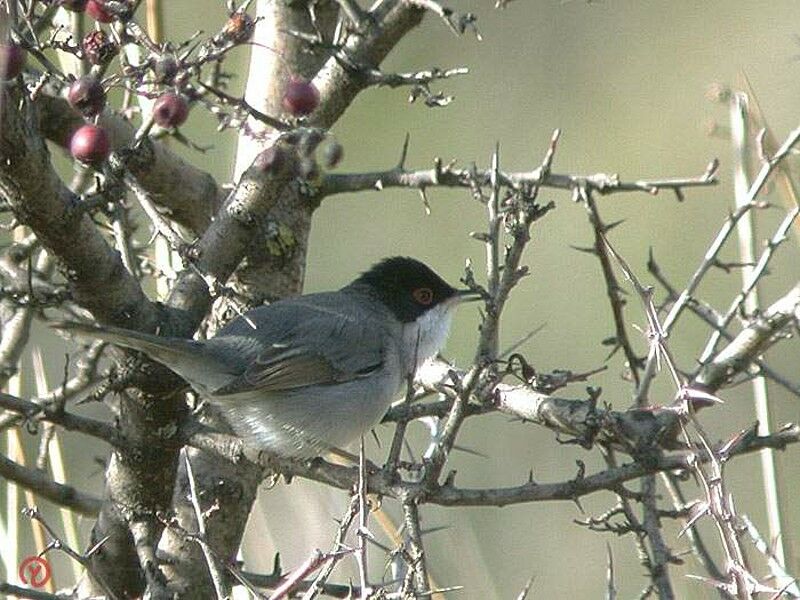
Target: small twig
632, 523
85, 425
363, 531
611, 589
751, 278
493, 241
711, 317
122, 234
699, 547
82, 559
311, 564
444, 13
160, 222
416, 548
719, 507
319, 584
376, 77
30, 594
358, 16
613, 291
777, 569
523, 594
218, 578
392, 459
758, 335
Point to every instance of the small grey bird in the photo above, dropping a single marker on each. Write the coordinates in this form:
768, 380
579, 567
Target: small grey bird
307, 374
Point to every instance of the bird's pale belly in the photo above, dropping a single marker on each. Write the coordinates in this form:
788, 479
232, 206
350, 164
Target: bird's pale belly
308, 421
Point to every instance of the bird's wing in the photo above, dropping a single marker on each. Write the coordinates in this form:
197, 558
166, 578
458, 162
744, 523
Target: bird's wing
308, 344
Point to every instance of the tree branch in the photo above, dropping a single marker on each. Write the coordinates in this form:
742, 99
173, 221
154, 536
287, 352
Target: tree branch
85, 425
449, 176
346, 478
751, 342
339, 81
31, 187
39, 482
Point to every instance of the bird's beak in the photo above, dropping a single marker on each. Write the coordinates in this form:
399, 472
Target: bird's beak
467, 296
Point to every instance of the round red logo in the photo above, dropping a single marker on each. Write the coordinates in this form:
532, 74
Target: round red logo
34, 571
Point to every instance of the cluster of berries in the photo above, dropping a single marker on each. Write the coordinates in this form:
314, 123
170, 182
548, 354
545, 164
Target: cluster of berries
91, 143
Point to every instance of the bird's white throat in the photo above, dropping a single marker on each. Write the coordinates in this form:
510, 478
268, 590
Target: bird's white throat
426, 336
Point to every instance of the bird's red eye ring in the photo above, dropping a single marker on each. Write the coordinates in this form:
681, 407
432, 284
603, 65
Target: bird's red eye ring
423, 295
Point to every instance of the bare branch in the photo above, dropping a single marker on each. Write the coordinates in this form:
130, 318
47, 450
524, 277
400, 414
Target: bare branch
60, 494
56, 543
754, 275
337, 82
217, 575
86, 425
320, 584
221, 248
416, 549
346, 478
603, 252
449, 176
751, 342
30, 594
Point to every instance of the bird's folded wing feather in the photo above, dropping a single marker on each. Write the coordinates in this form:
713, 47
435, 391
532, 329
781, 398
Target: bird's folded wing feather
343, 348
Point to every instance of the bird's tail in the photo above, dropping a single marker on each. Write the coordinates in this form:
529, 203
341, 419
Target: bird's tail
186, 357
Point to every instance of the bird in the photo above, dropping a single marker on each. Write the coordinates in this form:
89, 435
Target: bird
309, 374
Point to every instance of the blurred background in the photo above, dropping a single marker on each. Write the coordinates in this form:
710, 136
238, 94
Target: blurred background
626, 81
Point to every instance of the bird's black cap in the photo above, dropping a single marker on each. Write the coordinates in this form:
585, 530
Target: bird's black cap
408, 287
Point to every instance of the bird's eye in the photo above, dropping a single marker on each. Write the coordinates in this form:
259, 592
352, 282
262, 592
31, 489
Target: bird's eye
423, 295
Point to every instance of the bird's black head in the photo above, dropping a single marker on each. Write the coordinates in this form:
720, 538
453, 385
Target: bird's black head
406, 286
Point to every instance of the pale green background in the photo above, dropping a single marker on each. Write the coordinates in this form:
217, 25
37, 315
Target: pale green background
625, 81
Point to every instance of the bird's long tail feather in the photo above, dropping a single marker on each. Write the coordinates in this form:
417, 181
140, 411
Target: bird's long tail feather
185, 357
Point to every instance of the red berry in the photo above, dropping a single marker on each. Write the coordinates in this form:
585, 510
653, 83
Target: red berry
97, 47
238, 28
300, 98
98, 11
90, 144
74, 5
170, 110
12, 59
87, 96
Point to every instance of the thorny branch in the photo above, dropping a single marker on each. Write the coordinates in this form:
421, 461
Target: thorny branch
740, 581
447, 175
447, 494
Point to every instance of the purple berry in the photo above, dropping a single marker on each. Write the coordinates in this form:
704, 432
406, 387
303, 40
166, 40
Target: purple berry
301, 97
90, 144
98, 48
239, 28
98, 11
87, 96
170, 110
